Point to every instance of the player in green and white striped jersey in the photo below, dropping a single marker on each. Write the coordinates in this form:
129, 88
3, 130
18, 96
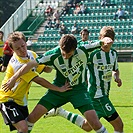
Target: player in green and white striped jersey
102, 64
84, 37
70, 65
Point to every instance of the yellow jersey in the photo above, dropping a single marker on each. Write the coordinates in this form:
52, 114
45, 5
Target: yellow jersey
19, 92
1, 48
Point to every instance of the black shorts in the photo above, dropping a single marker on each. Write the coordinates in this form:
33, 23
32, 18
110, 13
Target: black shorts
1, 59
6, 59
13, 113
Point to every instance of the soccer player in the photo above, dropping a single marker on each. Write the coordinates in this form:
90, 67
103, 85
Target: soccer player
7, 54
84, 33
84, 37
102, 64
13, 103
70, 65
1, 46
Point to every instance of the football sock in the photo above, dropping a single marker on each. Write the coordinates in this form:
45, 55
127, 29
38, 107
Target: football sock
30, 126
74, 118
102, 130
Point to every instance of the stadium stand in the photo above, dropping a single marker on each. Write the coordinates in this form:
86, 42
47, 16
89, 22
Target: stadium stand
97, 17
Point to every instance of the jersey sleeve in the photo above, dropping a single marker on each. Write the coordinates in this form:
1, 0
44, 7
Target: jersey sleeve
115, 67
91, 46
48, 57
40, 68
29, 76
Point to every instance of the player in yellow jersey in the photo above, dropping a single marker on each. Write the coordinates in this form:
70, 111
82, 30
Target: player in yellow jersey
1, 46
13, 102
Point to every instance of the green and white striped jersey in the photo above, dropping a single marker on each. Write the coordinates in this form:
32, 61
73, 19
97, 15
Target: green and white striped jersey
82, 43
101, 64
72, 69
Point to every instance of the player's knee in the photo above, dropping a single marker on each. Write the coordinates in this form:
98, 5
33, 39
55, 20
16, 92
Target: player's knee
119, 127
23, 129
86, 126
117, 124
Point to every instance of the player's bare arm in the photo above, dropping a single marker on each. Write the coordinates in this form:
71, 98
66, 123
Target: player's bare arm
50, 86
47, 69
117, 78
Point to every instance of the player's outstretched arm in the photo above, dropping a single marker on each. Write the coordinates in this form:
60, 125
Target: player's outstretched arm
105, 40
43, 82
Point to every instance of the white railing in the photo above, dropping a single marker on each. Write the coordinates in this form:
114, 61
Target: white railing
18, 17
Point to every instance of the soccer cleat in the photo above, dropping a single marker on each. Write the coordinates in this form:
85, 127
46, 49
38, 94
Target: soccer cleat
52, 112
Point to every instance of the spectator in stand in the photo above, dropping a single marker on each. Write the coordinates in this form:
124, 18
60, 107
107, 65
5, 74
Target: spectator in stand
82, 8
103, 3
57, 24
65, 9
63, 29
120, 14
71, 3
49, 11
77, 9
7, 54
1, 46
29, 41
56, 15
49, 23
107, 3
75, 29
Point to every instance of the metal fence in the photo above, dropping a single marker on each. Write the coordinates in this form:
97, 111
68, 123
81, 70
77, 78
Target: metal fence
18, 17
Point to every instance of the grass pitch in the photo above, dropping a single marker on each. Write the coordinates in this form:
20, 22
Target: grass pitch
120, 97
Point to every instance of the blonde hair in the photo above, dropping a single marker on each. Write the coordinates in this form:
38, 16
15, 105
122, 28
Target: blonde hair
107, 31
15, 36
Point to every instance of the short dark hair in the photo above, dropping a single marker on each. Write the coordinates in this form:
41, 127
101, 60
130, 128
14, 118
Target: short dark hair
84, 30
2, 35
2, 32
68, 43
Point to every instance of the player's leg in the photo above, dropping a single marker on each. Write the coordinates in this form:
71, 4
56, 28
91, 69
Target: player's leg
35, 115
82, 102
116, 122
76, 119
92, 118
46, 103
105, 108
80, 121
21, 126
